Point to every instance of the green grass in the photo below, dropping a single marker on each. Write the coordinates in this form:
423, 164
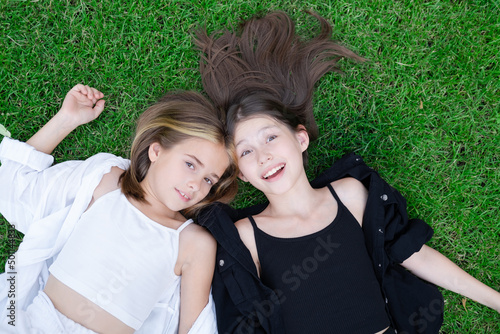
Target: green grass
424, 111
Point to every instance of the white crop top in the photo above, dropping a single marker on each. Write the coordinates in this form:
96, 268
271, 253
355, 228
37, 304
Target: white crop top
120, 259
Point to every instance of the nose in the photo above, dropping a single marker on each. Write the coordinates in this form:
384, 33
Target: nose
194, 184
265, 157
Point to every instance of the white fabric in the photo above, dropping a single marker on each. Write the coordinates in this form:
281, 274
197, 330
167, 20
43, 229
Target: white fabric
43, 318
116, 255
45, 203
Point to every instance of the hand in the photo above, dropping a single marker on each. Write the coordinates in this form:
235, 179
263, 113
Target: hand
82, 105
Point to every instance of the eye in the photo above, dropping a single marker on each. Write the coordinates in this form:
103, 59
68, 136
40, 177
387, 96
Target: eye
271, 138
209, 181
189, 165
245, 152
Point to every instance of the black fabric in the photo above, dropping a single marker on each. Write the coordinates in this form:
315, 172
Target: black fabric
245, 305
390, 330
301, 271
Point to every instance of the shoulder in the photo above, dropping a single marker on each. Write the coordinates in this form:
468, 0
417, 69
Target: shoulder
197, 249
246, 232
353, 194
349, 186
109, 182
197, 238
244, 226
197, 244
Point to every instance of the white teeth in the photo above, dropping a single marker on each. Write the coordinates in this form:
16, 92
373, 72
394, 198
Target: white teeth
273, 171
183, 194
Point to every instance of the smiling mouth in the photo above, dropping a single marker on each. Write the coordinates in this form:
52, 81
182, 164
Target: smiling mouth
273, 171
183, 195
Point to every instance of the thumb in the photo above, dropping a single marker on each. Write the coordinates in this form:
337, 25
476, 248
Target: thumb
99, 107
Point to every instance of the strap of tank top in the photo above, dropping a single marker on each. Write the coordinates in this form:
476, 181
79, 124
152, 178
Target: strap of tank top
341, 205
252, 221
256, 230
333, 192
339, 202
186, 223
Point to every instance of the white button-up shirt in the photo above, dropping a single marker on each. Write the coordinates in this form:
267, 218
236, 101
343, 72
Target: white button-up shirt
44, 202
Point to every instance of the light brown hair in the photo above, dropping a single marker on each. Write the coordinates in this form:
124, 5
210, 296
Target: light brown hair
177, 117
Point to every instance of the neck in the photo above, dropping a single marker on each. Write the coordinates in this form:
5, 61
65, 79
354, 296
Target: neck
300, 200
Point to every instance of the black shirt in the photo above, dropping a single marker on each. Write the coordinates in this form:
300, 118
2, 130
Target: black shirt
325, 279
245, 305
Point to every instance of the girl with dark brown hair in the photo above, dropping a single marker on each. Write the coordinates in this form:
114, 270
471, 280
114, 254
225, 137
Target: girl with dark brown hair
109, 243
328, 256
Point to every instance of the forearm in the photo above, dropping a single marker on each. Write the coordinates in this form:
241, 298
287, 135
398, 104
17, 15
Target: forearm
51, 134
434, 267
81, 105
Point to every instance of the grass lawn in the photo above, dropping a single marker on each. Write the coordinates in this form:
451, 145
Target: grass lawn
424, 111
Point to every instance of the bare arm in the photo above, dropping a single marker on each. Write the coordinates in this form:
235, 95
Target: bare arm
197, 269
81, 105
434, 267
428, 263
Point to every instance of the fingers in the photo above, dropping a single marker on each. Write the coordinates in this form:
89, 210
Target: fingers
92, 94
99, 107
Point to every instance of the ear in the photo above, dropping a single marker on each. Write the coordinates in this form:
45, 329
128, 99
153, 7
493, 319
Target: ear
302, 137
154, 151
242, 177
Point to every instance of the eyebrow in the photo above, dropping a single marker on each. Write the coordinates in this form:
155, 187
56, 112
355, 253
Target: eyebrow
203, 165
258, 133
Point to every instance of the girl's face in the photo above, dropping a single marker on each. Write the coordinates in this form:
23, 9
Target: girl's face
181, 176
269, 153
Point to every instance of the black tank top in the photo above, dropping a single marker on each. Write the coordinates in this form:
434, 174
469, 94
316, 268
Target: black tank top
325, 280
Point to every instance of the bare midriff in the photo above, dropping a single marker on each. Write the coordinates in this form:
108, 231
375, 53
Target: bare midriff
81, 310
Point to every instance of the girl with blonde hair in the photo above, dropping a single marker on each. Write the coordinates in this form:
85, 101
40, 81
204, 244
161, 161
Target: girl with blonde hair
109, 243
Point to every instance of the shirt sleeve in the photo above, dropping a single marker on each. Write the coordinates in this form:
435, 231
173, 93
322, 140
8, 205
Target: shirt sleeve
409, 240
32, 188
403, 236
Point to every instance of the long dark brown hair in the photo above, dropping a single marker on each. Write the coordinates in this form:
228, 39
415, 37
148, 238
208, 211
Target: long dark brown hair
176, 117
267, 65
